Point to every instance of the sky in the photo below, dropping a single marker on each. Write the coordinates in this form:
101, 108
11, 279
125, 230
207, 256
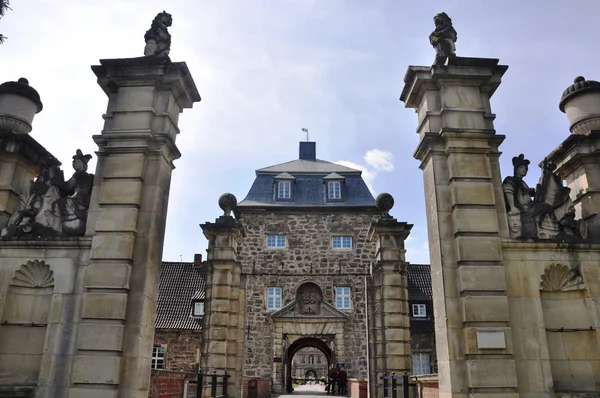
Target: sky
268, 68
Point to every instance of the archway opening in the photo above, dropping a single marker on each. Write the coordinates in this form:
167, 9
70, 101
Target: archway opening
305, 342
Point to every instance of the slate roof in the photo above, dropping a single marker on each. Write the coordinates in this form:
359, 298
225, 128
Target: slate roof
420, 292
308, 166
179, 283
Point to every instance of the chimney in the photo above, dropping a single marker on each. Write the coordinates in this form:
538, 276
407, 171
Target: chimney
308, 150
197, 259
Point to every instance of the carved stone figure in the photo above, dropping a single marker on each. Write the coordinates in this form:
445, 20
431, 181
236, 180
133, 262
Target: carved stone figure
443, 38
158, 38
54, 206
37, 213
75, 202
549, 215
518, 200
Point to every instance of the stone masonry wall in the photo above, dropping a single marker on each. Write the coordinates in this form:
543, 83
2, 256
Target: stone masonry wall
308, 257
180, 354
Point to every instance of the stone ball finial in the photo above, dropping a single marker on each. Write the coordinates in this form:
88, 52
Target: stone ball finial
227, 203
385, 202
579, 79
23, 80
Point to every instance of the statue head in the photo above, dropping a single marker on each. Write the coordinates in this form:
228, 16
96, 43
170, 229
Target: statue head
520, 165
80, 160
514, 225
441, 20
162, 20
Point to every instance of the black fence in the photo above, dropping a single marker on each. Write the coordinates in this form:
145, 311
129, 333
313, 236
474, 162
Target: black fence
398, 386
213, 381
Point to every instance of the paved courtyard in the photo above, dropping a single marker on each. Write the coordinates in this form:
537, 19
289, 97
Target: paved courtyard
310, 390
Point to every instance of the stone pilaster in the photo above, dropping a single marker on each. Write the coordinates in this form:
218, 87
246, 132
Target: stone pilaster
223, 320
128, 209
466, 219
389, 333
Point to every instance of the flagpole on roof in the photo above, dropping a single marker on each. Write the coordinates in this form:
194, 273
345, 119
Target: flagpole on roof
305, 130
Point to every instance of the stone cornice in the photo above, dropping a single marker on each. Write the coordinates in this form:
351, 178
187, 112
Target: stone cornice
22, 144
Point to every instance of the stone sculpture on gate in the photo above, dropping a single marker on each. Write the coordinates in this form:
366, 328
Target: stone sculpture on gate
443, 38
158, 38
53, 206
546, 212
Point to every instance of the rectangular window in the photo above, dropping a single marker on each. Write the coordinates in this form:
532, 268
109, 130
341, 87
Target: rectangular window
418, 311
199, 308
275, 240
341, 242
342, 298
335, 190
273, 298
284, 190
421, 363
158, 357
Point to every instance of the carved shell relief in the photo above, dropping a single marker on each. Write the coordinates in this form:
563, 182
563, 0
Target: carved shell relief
33, 274
561, 277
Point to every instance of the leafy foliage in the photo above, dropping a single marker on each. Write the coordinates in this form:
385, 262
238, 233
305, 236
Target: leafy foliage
4, 6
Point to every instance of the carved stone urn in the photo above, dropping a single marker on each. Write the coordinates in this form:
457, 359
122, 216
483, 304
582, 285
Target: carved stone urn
581, 103
19, 102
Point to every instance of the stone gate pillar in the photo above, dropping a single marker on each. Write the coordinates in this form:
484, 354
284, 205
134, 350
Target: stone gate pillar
128, 209
466, 218
389, 336
222, 332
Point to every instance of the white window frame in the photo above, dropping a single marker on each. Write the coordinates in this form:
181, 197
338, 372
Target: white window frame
419, 311
343, 298
274, 298
421, 363
279, 241
334, 190
344, 242
158, 356
198, 305
284, 189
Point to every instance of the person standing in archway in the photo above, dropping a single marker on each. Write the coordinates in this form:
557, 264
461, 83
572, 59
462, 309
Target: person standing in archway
331, 380
342, 380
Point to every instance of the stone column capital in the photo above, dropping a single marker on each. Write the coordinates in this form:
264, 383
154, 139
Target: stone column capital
389, 235
159, 72
484, 73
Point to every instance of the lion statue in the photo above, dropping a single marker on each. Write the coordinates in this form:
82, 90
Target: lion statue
443, 38
158, 39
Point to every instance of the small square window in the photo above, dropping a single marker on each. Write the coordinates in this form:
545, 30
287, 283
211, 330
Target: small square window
198, 308
273, 298
341, 242
418, 311
342, 298
284, 190
334, 190
276, 241
158, 357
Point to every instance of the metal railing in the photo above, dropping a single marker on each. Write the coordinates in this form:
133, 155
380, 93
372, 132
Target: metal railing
391, 387
214, 382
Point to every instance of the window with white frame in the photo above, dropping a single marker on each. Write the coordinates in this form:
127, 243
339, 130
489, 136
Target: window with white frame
198, 308
284, 190
158, 357
276, 241
342, 298
341, 242
418, 311
421, 364
273, 298
334, 189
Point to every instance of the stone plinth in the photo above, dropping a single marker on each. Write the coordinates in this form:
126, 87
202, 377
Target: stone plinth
127, 216
389, 332
224, 309
466, 215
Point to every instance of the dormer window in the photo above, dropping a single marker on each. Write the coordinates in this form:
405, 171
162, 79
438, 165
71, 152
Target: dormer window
198, 308
284, 187
334, 187
284, 190
334, 190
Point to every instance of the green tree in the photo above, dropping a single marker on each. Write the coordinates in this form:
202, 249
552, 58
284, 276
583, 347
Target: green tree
4, 6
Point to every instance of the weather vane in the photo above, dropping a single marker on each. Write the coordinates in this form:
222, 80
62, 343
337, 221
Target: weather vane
305, 130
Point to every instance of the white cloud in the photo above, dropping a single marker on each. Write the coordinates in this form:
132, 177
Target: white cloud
380, 160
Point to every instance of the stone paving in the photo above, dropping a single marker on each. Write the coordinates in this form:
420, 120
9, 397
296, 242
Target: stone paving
307, 391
